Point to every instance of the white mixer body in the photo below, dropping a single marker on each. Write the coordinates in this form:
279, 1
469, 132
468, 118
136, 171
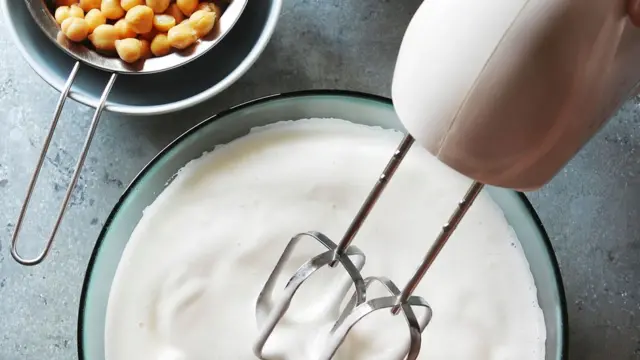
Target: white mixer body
507, 91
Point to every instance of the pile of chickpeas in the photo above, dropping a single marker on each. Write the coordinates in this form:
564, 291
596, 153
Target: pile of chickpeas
137, 29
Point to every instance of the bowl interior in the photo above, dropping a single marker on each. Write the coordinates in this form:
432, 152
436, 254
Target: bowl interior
151, 93
236, 122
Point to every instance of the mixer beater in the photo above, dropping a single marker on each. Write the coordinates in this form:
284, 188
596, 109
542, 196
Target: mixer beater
270, 311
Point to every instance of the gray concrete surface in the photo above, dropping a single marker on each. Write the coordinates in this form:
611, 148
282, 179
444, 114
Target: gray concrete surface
591, 209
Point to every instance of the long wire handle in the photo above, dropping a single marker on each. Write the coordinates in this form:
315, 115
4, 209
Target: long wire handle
374, 195
76, 173
444, 236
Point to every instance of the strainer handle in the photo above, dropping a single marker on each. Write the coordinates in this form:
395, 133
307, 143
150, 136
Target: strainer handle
76, 173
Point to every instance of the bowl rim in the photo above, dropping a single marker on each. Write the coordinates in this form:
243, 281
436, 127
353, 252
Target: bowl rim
145, 110
564, 335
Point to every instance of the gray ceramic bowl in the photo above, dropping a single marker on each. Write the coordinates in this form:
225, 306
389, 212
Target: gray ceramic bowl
151, 94
236, 122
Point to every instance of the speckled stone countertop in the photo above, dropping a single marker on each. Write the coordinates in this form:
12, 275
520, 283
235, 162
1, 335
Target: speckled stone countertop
591, 209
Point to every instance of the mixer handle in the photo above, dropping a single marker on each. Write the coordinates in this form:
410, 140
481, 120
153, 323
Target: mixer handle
76, 173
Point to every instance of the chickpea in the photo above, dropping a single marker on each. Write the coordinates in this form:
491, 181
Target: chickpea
129, 50
163, 22
129, 4
187, 6
112, 9
160, 45
95, 18
88, 5
145, 49
204, 6
65, 3
149, 35
125, 30
140, 18
175, 11
64, 12
202, 22
209, 6
104, 37
75, 29
182, 36
158, 6
76, 11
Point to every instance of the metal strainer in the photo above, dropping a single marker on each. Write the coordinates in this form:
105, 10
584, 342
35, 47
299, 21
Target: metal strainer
41, 11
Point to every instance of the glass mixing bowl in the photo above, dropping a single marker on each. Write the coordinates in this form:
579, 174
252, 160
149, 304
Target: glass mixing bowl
236, 122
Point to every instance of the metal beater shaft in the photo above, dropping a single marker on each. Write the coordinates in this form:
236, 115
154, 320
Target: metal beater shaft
374, 195
442, 239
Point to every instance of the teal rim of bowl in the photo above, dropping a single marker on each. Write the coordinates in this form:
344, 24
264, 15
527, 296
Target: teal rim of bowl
380, 100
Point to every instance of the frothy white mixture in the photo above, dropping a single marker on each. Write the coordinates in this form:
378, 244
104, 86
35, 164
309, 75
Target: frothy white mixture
188, 280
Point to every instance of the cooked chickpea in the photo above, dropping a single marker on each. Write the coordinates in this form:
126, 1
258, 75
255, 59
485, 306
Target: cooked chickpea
149, 35
95, 18
76, 11
204, 6
182, 36
64, 12
129, 50
61, 14
187, 6
88, 5
129, 4
65, 2
75, 29
141, 29
140, 18
145, 49
111, 9
160, 45
104, 37
202, 22
163, 22
158, 6
209, 6
125, 30
175, 11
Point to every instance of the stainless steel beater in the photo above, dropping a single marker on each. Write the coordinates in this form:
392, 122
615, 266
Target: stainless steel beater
269, 312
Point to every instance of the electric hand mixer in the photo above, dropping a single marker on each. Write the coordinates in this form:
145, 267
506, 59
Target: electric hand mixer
503, 91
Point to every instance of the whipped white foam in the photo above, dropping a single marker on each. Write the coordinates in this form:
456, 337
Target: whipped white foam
188, 280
